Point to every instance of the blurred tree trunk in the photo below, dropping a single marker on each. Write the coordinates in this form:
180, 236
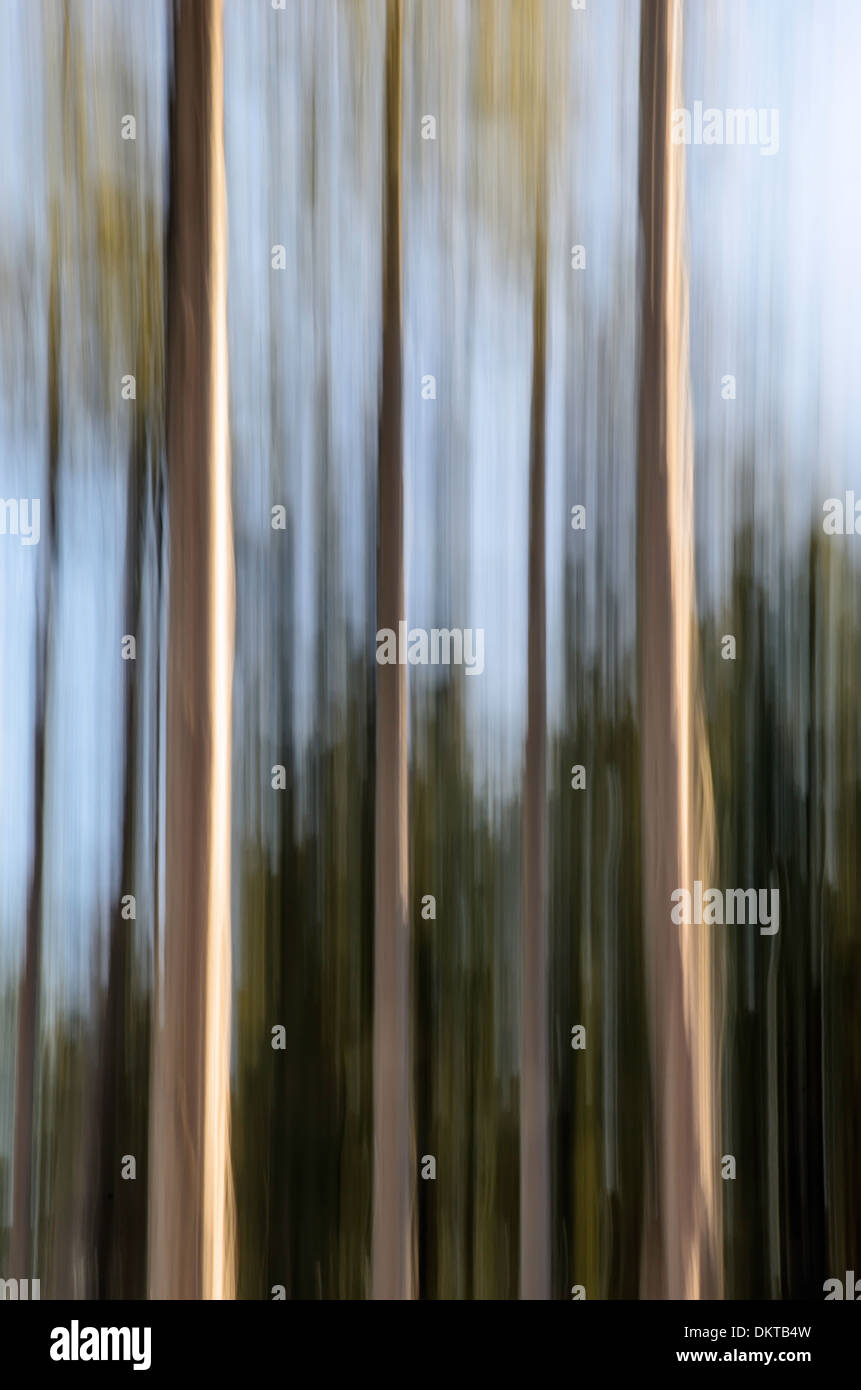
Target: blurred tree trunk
191, 1238
534, 1058
683, 1244
393, 1256
120, 1252
28, 1007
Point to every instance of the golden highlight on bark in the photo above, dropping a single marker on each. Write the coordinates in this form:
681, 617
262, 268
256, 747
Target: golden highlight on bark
683, 1244
191, 1233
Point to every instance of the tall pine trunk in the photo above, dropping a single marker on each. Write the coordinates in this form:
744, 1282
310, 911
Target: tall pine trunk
534, 1060
191, 1239
120, 1218
683, 1241
393, 1259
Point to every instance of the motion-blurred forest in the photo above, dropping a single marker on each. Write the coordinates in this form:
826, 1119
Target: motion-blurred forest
456, 284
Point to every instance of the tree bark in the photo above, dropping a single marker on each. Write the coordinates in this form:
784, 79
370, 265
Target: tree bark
534, 1063
119, 1224
393, 1240
682, 1258
191, 1239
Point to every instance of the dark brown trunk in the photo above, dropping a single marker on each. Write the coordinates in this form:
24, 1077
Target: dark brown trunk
121, 1209
393, 1257
534, 1087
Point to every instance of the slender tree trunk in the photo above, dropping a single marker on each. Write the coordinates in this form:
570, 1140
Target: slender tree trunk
28, 1006
683, 1245
191, 1239
393, 1256
534, 1064
118, 1222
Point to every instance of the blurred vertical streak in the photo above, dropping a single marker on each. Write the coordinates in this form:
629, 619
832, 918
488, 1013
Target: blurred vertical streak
191, 1240
393, 1255
28, 1008
534, 1054
116, 1243
682, 1254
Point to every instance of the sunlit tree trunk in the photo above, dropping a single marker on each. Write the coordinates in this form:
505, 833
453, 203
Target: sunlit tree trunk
191, 1240
393, 1257
682, 1243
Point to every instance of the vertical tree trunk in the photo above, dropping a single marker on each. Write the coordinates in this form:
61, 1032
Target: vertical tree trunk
393, 1240
28, 1006
534, 1063
683, 1247
119, 1223
191, 1244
